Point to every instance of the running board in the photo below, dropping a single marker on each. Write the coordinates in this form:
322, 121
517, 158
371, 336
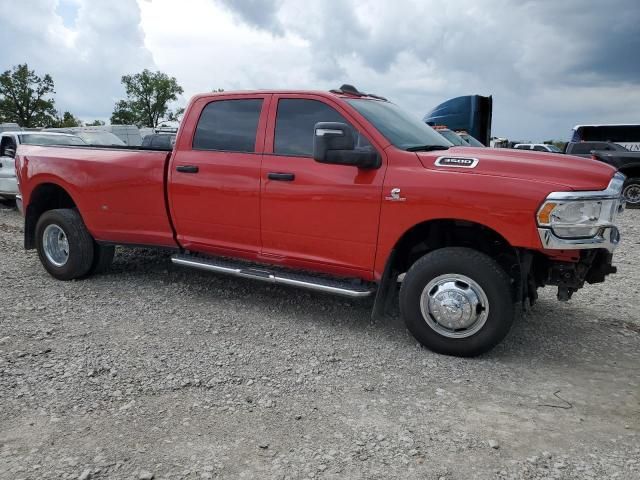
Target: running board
345, 287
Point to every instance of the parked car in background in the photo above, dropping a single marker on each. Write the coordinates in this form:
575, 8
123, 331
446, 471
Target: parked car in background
341, 192
538, 147
627, 163
144, 131
129, 134
450, 135
160, 141
499, 142
10, 127
9, 142
584, 149
469, 139
92, 136
626, 135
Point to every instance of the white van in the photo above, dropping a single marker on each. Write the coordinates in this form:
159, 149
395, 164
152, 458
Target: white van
129, 134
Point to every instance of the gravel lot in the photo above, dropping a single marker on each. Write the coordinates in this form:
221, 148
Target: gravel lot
157, 371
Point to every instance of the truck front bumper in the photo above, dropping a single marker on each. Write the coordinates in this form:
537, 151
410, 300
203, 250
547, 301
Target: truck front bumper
607, 238
592, 267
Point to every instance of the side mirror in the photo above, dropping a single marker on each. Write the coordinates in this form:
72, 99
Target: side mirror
334, 143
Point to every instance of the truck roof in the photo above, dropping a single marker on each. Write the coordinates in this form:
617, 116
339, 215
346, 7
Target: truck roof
345, 91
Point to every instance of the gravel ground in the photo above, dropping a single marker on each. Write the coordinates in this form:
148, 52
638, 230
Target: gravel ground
156, 371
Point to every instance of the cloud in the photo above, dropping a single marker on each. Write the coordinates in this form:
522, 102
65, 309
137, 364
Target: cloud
259, 13
549, 65
86, 60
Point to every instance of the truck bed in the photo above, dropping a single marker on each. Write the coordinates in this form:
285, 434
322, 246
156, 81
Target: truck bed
121, 191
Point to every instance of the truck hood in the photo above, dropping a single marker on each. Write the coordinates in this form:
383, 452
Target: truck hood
566, 171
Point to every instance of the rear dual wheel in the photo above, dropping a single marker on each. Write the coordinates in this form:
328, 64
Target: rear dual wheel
457, 301
66, 248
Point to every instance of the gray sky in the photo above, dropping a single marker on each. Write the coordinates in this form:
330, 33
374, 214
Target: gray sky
548, 64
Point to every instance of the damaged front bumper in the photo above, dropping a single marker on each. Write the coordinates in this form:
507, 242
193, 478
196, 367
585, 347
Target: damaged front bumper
592, 267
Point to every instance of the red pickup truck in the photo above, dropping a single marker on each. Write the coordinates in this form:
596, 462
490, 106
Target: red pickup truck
341, 192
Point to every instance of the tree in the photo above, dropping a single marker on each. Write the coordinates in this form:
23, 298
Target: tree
148, 97
67, 120
25, 97
123, 114
95, 123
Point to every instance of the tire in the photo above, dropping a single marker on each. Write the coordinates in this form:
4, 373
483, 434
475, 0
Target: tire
60, 226
453, 274
102, 258
631, 192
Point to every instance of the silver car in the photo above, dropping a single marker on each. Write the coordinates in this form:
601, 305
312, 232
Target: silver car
9, 142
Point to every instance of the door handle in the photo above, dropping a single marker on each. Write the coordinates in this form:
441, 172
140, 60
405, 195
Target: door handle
281, 177
187, 168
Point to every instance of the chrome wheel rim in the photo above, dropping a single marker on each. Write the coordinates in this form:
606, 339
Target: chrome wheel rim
454, 306
55, 245
631, 193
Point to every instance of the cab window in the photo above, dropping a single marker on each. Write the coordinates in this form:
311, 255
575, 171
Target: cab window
228, 125
295, 120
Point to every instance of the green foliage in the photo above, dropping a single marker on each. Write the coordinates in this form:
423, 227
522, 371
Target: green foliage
95, 123
148, 97
123, 114
67, 120
25, 98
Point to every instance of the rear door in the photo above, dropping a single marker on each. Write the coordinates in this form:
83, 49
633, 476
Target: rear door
316, 215
214, 176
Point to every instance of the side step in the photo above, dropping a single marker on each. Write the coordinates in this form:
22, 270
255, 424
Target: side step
345, 287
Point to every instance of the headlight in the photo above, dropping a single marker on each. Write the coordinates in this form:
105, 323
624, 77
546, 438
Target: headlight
577, 218
582, 214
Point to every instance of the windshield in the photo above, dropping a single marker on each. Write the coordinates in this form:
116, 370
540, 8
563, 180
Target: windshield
399, 127
100, 138
453, 137
553, 148
43, 139
471, 140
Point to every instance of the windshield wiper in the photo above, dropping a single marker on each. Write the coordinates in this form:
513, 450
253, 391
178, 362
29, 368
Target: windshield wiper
426, 148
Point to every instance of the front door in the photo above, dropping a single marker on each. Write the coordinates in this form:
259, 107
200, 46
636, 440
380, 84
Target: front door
316, 215
214, 176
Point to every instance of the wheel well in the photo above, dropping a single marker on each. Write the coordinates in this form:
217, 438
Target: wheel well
432, 235
47, 196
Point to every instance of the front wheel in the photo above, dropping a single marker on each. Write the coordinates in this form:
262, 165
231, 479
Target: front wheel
457, 301
631, 192
64, 244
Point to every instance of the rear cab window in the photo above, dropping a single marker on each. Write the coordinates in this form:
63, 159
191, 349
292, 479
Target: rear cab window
228, 125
